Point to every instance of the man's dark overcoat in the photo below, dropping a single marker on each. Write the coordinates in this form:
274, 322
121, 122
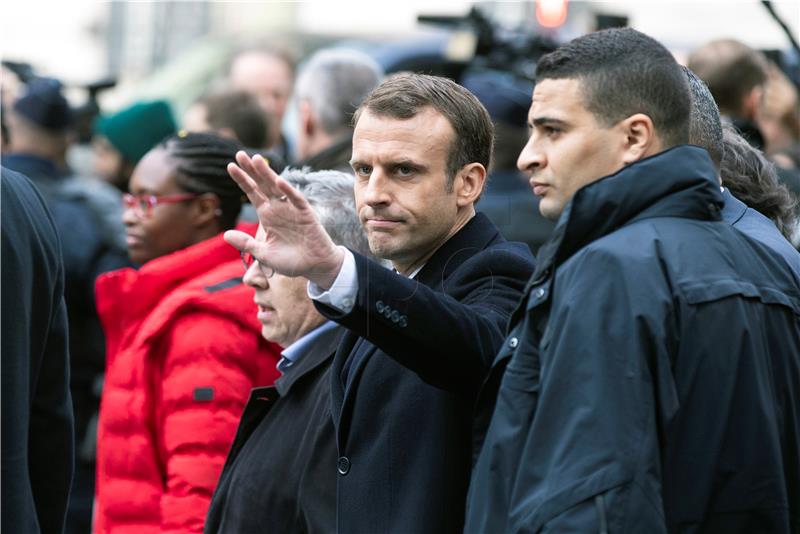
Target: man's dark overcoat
405, 378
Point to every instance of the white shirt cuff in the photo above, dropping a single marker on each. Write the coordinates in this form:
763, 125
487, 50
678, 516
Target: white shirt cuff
343, 292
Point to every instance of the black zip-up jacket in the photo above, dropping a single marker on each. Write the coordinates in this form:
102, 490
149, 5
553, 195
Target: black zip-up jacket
650, 381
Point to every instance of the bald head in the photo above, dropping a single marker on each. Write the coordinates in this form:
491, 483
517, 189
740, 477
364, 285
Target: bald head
269, 77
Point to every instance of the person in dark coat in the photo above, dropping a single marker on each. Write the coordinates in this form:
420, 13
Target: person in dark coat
329, 88
745, 173
37, 427
420, 339
88, 213
651, 376
278, 475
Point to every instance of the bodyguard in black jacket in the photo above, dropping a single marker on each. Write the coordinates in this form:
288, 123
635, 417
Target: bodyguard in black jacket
421, 339
37, 425
651, 378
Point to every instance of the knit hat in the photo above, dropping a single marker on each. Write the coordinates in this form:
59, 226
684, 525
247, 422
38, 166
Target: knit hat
43, 104
136, 129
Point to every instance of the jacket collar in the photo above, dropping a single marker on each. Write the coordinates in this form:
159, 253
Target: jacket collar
734, 208
322, 349
473, 237
679, 182
35, 167
134, 293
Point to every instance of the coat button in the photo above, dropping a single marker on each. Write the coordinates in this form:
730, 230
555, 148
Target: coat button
379, 306
343, 465
395, 316
513, 342
387, 312
539, 293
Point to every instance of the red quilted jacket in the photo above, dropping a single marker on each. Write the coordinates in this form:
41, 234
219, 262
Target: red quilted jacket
184, 348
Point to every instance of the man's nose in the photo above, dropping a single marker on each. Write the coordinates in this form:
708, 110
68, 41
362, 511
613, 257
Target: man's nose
254, 277
531, 159
376, 190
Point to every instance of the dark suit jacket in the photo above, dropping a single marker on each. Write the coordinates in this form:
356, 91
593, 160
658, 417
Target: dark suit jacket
403, 422
37, 430
280, 474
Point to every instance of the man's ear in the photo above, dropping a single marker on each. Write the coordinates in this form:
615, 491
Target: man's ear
751, 103
307, 122
468, 184
227, 133
639, 138
206, 209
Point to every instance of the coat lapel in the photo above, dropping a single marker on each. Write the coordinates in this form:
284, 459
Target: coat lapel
346, 346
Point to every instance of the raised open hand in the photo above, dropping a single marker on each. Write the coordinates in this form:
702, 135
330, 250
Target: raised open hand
296, 244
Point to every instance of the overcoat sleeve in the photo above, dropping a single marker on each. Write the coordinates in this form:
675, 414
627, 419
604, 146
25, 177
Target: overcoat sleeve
448, 332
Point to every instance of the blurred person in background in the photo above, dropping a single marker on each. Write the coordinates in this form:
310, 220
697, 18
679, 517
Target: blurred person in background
232, 114
122, 138
235, 115
88, 214
329, 88
286, 445
267, 74
736, 75
184, 343
755, 202
507, 199
37, 422
779, 119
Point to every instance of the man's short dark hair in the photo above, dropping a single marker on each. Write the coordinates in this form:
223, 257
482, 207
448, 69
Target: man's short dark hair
405, 95
239, 111
705, 125
731, 69
624, 72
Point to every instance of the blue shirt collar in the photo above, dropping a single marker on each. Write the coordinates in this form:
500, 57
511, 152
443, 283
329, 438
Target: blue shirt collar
293, 352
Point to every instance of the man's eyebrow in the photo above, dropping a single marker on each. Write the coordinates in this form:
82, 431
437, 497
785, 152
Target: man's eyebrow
546, 121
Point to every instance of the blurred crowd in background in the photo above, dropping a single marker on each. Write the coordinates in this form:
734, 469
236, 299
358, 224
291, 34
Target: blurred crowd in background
291, 99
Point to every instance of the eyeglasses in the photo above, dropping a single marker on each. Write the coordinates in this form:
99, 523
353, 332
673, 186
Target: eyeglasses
248, 260
143, 205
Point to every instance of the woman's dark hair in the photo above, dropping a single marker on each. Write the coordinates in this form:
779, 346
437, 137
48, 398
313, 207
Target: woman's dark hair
201, 161
753, 180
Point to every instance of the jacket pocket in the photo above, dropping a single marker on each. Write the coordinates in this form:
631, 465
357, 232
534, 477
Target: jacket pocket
699, 293
583, 491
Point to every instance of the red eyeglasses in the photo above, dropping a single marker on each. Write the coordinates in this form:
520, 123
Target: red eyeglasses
142, 205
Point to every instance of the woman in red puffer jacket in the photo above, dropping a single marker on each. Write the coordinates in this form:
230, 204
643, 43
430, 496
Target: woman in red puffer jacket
184, 346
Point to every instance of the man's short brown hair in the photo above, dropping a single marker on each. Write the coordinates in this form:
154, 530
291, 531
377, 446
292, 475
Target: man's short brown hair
405, 95
731, 70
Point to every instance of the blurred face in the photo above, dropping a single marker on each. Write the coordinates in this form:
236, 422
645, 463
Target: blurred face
284, 310
168, 227
401, 185
567, 148
267, 77
196, 119
107, 160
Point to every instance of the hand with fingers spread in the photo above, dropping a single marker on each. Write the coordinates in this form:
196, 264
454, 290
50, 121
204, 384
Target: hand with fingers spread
295, 244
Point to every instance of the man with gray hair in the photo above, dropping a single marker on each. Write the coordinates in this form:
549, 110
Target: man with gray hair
330, 87
285, 445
